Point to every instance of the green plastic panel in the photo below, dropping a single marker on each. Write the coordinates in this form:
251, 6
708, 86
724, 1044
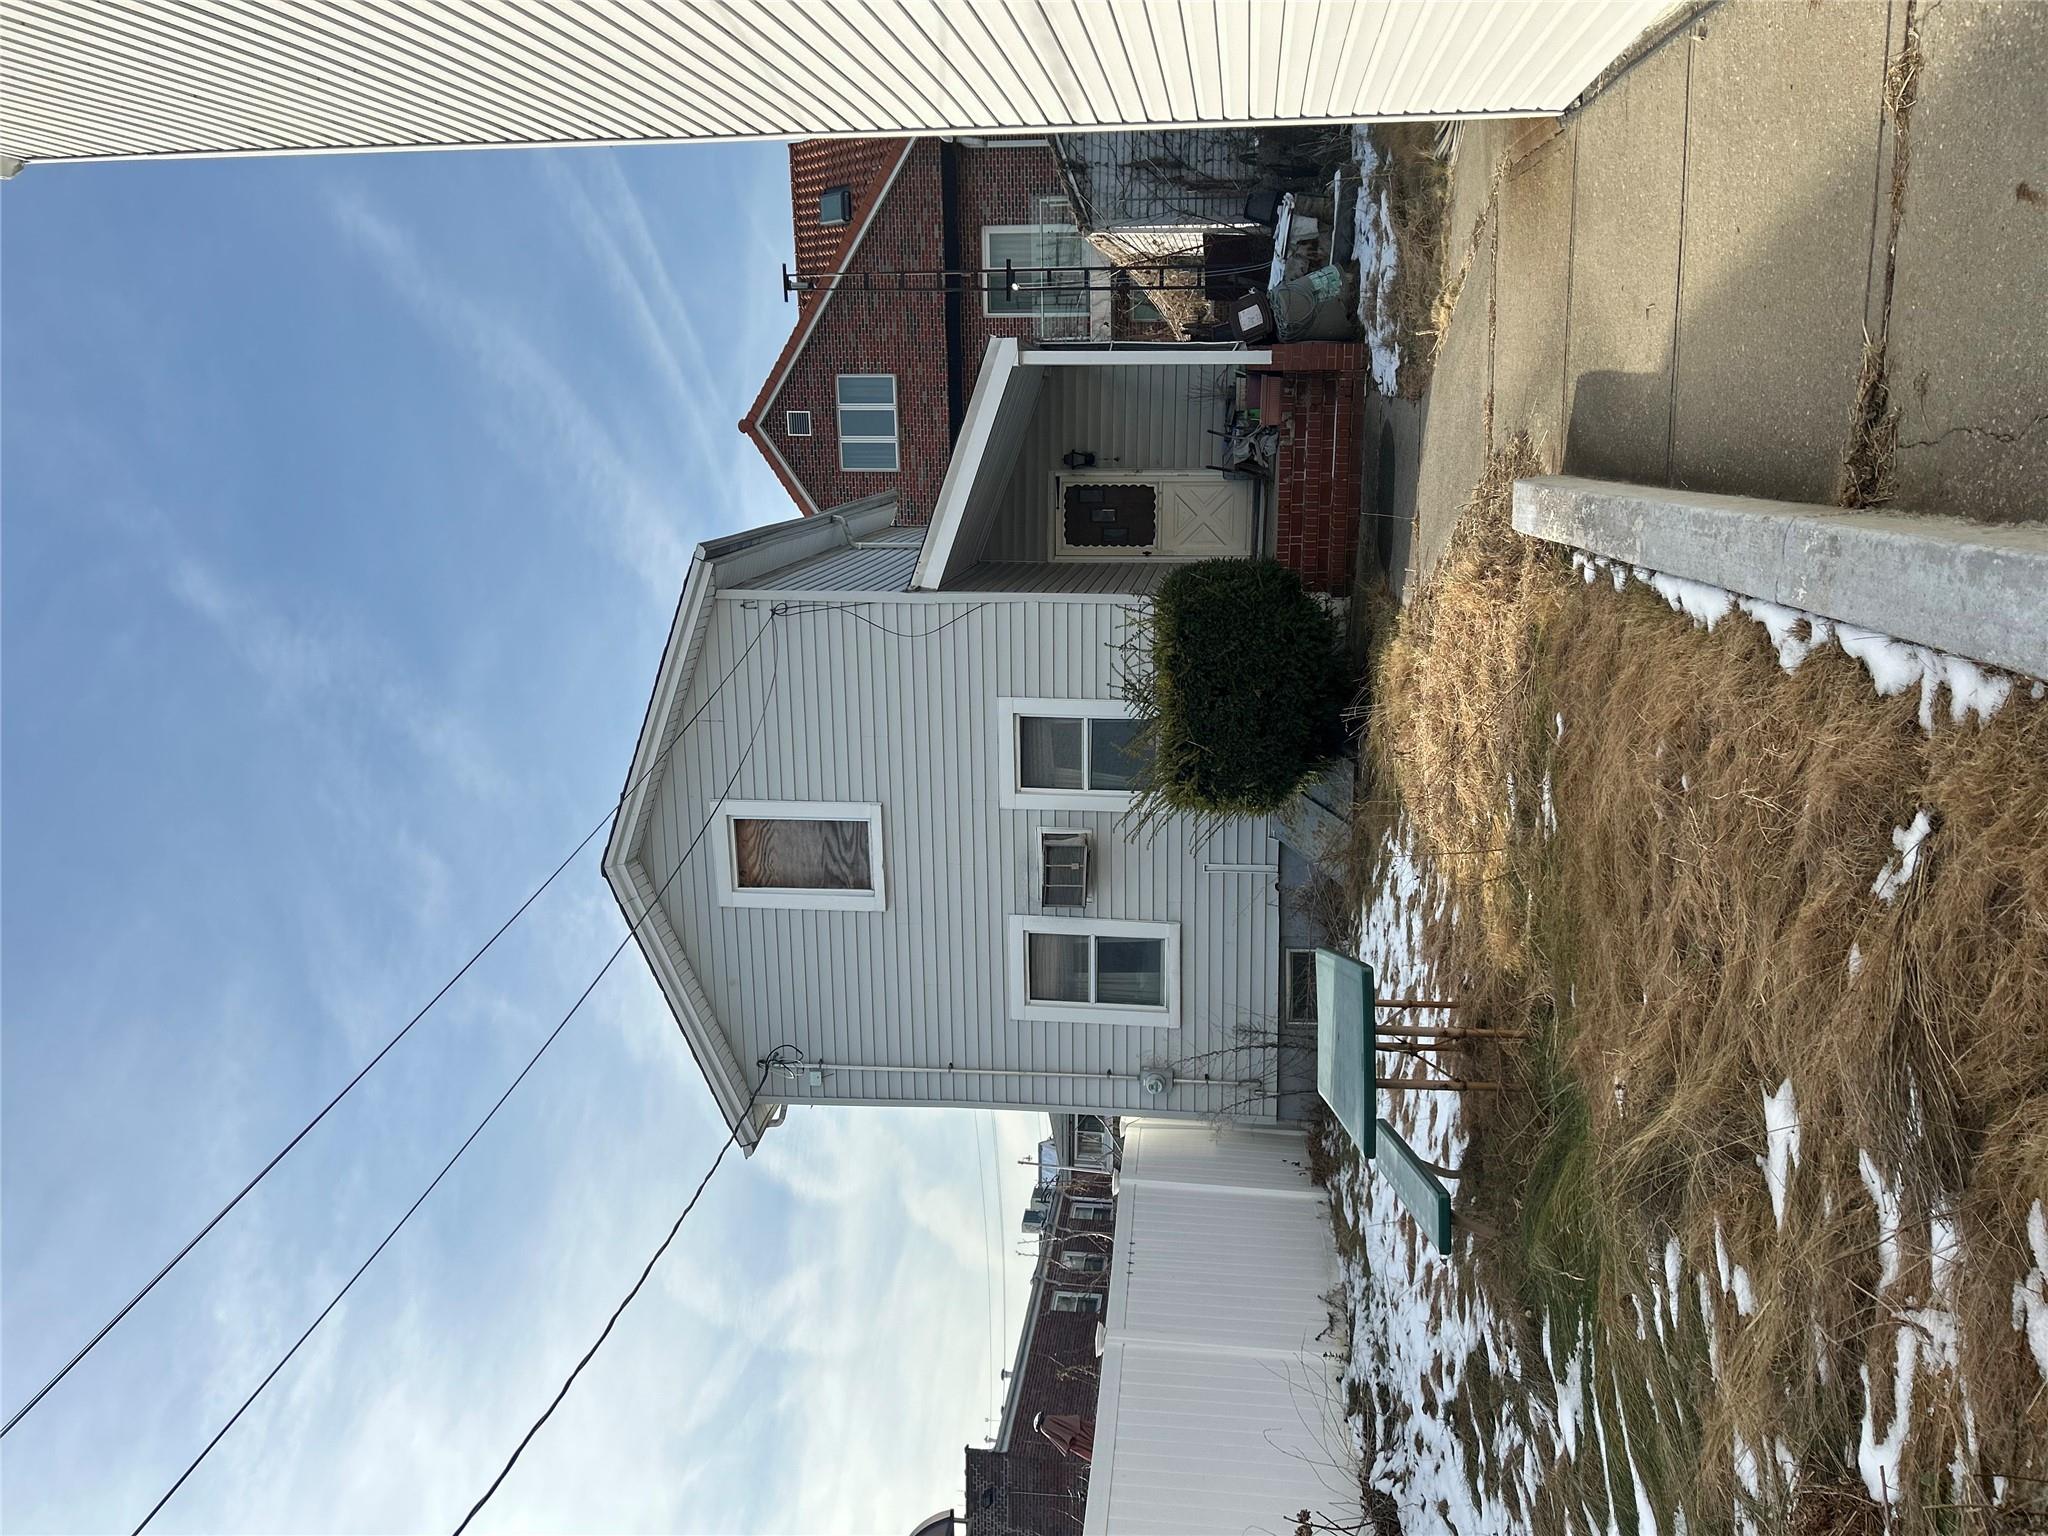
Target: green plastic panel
1420, 1190
1345, 1045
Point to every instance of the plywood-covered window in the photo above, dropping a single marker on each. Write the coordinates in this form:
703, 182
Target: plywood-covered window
802, 854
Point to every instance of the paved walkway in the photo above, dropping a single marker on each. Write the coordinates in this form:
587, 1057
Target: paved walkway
1674, 284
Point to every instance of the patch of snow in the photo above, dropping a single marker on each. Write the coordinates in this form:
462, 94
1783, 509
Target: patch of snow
1571, 1393
1377, 256
2030, 1294
1894, 665
1703, 604
1855, 961
1560, 726
1885, 1196
1549, 812
1897, 871
1878, 1458
1781, 1134
1745, 1293
1672, 1259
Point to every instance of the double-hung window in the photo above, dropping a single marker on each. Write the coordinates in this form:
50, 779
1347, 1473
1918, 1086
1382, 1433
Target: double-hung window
1084, 1261
1077, 1301
1091, 1210
1070, 754
867, 421
1090, 971
786, 853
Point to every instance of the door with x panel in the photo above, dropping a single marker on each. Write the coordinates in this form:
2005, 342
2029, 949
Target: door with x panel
1165, 515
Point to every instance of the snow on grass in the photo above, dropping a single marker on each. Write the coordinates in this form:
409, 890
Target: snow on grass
1421, 1325
1898, 871
1894, 665
1374, 250
1781, 1133
2030, 1294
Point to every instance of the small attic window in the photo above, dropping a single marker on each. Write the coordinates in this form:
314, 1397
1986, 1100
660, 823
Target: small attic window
835, 206
797, 423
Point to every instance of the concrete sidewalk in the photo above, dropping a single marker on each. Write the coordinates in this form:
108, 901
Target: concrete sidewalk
1674, 284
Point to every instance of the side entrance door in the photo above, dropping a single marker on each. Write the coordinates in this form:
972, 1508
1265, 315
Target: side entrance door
1161, 514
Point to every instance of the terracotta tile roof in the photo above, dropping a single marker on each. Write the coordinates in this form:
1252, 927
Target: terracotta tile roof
861, 165
815, 164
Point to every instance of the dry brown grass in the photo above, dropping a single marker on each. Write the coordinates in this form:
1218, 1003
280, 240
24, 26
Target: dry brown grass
1719, 823
1417, 185
1451, 695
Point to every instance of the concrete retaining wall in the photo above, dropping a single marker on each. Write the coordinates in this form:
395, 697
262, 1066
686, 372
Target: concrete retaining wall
1966, 588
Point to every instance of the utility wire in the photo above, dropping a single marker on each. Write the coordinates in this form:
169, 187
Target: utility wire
364, 1071
620, 1310
477, 1130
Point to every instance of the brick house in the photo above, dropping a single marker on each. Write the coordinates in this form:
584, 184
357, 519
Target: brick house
1023, 1484
875, 387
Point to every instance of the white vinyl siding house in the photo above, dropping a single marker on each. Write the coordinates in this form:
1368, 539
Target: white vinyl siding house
871, 887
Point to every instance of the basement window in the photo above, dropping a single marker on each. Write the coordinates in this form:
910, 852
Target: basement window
1301, 986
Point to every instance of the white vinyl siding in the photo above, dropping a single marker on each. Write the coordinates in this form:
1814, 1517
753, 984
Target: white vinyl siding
912, 725
867, 421
780, 853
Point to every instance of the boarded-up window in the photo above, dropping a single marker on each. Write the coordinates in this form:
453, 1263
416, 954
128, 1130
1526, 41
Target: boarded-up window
804, 855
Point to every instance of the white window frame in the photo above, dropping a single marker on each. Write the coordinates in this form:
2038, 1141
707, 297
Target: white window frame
1013, 796
1077, 1301
1097, 1210
732, 894
1091, 260
1084, 1261
1023, 1007
894, 439
789, 423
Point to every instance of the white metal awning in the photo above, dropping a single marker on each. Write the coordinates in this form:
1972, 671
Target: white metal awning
140, 79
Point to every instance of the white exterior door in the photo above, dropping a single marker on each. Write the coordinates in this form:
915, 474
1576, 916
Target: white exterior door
1162, 514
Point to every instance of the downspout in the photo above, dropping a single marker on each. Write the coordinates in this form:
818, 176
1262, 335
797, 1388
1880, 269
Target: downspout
949, 259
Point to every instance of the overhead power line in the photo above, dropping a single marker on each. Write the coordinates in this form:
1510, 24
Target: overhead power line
364, 1071
620, 1310
632, 931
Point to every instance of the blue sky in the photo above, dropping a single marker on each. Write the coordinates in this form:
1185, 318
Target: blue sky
344, 502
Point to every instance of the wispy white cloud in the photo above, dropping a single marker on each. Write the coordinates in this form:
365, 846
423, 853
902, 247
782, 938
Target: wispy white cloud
300, 662
575, 446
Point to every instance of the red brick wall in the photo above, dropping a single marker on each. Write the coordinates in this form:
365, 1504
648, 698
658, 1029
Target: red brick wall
996, 186
878, 331
1037, 1489
882, 330
1318, 487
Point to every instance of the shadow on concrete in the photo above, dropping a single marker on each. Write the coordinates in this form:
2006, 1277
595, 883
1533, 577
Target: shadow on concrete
1620, 427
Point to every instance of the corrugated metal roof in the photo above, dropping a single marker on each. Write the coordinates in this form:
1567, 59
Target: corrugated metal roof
127, 78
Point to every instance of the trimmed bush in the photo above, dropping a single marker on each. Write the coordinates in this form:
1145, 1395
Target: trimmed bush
1244, 680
